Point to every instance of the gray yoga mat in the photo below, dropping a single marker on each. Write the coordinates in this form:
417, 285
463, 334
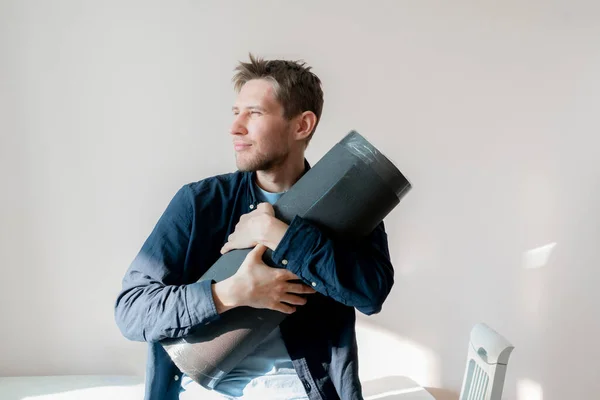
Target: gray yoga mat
348, 192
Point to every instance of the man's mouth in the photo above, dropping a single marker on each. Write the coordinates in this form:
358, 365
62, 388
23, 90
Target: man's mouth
238, 146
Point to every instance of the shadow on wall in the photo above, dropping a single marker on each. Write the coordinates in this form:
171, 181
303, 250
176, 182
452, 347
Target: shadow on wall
432, 305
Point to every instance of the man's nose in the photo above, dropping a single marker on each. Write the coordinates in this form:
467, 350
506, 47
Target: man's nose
238, 126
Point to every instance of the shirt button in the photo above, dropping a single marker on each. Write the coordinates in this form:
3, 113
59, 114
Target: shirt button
314, 284
251, 206
306, 386
284, 262
176, 377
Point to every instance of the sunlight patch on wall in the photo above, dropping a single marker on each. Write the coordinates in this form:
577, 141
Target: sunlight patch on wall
383, 353
529, 390
538, 257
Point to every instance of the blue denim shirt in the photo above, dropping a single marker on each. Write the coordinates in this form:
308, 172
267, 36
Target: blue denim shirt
161, 298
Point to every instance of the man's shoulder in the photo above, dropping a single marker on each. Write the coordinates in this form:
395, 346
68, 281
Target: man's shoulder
226, 184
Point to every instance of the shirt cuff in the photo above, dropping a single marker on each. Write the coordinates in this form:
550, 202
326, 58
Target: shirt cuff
295, 250
200, 303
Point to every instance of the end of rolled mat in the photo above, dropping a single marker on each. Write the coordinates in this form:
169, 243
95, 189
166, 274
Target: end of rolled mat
370, 155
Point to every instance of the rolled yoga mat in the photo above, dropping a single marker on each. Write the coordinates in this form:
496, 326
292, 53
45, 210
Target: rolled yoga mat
348, 192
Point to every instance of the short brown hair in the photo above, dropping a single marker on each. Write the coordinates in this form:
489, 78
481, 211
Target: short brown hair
296, 87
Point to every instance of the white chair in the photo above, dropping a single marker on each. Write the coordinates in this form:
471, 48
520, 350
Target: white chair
486, 364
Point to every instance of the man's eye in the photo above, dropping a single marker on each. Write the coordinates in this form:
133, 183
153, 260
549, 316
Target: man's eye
255, 113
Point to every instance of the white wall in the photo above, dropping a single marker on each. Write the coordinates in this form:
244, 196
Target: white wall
490, 108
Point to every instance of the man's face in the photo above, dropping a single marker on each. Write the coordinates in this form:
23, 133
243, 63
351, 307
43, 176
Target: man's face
262, 137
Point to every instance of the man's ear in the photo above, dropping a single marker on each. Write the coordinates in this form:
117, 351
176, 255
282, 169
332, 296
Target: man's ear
305, 124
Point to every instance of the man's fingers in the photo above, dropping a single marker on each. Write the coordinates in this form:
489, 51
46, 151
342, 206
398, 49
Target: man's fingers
288, 275
284, 308
227, 246
300, 288
293, 299
259, 250
265, 207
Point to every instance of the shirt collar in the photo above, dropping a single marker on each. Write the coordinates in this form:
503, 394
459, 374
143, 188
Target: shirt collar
251, 176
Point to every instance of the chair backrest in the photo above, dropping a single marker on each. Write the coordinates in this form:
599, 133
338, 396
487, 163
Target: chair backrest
487, 359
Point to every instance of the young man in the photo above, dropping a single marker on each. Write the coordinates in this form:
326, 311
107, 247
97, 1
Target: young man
313, 353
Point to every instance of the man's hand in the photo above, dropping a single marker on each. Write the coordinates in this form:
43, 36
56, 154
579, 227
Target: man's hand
258, 227
257, 285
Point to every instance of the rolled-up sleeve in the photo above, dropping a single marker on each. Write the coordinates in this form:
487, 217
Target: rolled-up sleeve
357, 273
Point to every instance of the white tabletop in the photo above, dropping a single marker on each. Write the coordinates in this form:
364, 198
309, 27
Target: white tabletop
394, 388
96, 387
72, 387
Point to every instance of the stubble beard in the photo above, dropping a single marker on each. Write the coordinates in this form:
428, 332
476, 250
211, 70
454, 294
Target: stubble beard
261, 162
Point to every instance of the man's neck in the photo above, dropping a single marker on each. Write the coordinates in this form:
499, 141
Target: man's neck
281, 177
